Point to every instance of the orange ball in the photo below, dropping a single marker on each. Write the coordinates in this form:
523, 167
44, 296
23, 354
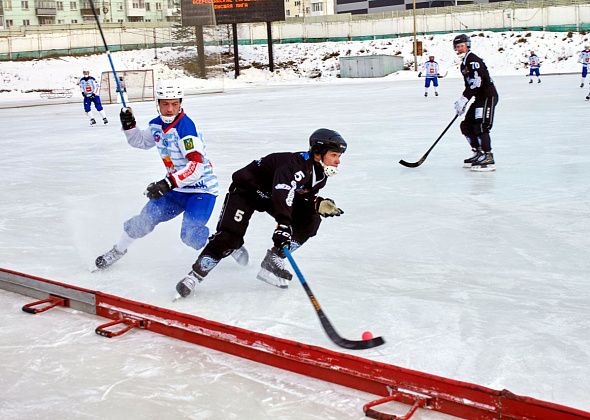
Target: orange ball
367, 335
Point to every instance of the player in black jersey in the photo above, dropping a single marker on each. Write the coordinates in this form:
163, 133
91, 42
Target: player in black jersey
480, 116
284, 185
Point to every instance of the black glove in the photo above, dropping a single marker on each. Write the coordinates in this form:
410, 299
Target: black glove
282, 237
127, 118
327, 208
158, 189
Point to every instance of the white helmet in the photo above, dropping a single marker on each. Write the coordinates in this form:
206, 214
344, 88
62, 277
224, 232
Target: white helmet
168, 89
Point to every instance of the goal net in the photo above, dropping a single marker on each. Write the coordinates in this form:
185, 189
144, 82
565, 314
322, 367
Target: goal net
137, 86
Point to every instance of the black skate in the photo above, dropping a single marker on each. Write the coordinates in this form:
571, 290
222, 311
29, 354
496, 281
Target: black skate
477, 153
200, 269
530, 81
425, 94
273, 271
241, 256
435, 93
92, 121
187, 285
109, 258
485, 163
588, 97
582, 84
105, 121
539, 81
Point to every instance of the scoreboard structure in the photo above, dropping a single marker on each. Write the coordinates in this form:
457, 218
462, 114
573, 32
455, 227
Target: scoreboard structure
211, 12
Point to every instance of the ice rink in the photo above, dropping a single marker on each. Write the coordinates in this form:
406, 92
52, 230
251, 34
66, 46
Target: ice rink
479, 277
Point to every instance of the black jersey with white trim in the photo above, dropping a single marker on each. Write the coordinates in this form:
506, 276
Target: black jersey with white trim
478, 82
284, 178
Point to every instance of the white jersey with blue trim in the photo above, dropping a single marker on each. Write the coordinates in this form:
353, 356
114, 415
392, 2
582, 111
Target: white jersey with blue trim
584, 58
175, 142
430, 69
534, 62
90, 86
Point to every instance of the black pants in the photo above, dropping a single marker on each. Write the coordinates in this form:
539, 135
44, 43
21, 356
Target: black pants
239, 206
478, 122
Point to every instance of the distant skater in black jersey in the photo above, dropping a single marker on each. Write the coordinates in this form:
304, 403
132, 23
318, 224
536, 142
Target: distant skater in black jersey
480, 116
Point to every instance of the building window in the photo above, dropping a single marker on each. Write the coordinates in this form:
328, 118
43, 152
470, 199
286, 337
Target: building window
8, 6
9, 23
73, 6
24, 4
138, 4
59, 5
26, 22
120, 20
158, 6
60, 21
74, 21
317, 7
297, 3
288, 12
147, 7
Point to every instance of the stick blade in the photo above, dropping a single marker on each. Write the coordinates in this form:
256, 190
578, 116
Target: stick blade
358, 344
410, 164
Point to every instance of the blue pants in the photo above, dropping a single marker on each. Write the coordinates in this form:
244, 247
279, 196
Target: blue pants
434, 81
534, 72
584, 71
88, 101
197, 208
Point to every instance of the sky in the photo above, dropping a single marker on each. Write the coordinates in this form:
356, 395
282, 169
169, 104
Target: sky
479, 277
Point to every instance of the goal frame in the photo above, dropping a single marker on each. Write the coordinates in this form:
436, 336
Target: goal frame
139, 86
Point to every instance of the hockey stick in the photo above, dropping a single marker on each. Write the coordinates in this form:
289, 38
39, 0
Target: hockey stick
106, 47
423, 158
442, 76
328, 328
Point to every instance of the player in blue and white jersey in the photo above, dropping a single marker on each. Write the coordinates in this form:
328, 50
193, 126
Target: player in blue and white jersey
431, 75
534, 64
585, 61
90, 92
190, 186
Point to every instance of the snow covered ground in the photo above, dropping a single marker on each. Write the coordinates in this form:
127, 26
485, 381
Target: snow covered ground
480, 277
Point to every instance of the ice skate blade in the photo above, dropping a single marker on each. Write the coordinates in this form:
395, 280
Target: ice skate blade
177, 297
270, 278
467, 165
486, 168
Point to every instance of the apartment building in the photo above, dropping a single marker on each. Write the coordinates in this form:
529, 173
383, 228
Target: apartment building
358, 7
303, 8
64, 12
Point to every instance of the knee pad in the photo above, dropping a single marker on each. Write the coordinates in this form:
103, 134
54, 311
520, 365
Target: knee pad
137, 227
195, 237
467, 129
223, 243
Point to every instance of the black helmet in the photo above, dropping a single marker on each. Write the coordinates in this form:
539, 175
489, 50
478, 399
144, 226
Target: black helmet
459, 39
323, 140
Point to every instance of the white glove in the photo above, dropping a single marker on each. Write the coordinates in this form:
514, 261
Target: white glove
460, 105
327, 208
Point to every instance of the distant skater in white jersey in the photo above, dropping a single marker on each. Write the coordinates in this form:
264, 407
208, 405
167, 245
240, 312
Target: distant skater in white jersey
90, 89
585, 61
431, 75
534, 64
190, 187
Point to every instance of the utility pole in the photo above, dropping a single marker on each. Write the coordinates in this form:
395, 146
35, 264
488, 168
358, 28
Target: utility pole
415, 43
